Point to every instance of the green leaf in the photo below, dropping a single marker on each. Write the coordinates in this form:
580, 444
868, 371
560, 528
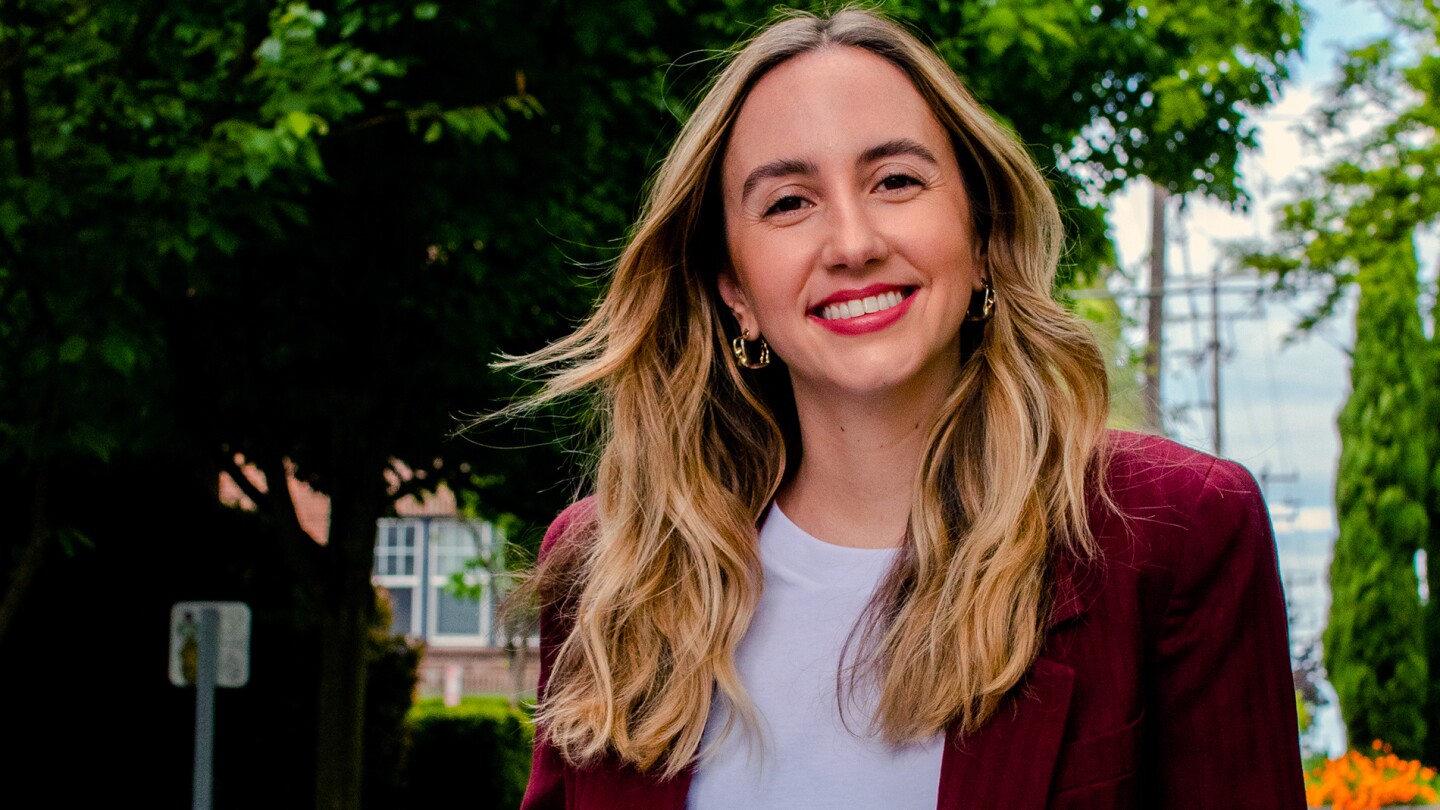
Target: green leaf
256, 172
145, 180
72, 349
72, 540
86, 436
299, 123
197, 162
294, 211
433, 132
225, 240
11, 219
118, 354
427, 11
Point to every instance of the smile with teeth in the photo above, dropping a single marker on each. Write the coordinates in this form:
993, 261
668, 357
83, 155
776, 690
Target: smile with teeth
862, 306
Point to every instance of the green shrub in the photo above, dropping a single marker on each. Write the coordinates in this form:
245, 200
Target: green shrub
474, 755
390, 688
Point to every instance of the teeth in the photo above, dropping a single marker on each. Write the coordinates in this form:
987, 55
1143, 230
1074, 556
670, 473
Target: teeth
873, 303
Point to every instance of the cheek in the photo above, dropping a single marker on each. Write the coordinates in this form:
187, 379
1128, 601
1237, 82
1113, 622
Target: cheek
768, 272
941, 251
947, 244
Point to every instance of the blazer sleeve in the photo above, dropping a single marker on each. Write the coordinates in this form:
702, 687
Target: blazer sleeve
1222, 711
546, 788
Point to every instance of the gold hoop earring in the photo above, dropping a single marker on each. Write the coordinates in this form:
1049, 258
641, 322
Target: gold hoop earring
742, 354
987, 304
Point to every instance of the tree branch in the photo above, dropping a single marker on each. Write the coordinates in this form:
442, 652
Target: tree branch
139, 34
10, 57
230, 468
296, 545
34, 555
20, 105
281, 504
413, 485
384, 118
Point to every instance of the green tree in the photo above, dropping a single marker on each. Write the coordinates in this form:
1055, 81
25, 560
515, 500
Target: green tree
1354, 224
1374, 642
162, 176
261, 231
1432, 547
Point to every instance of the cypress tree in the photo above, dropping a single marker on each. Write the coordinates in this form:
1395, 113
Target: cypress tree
1432, 549
1375, 648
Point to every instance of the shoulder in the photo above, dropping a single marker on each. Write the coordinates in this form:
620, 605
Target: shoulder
559, 571
571, 524
1153, 475
1182, 509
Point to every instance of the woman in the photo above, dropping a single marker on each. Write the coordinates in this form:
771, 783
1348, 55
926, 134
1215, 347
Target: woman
859, 537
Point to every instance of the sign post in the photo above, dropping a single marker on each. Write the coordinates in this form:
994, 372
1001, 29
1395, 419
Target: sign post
209, 647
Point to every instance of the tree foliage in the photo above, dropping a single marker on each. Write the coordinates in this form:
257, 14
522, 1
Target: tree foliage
1355, 222
1374, 641
1381, 118
1109, 92
296, 235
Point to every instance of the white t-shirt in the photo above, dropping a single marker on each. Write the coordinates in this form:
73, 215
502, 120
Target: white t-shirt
814, 594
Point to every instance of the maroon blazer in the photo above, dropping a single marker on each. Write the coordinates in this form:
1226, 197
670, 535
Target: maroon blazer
1164, 682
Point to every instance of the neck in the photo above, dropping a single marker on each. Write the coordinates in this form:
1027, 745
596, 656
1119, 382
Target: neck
859, 459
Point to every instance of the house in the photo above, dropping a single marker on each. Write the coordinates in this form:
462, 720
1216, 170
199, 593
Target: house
418, 554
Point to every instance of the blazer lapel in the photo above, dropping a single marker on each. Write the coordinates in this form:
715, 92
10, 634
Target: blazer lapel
1009, 761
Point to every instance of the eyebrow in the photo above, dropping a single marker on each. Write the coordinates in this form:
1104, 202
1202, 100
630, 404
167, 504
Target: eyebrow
897, 147
786, 167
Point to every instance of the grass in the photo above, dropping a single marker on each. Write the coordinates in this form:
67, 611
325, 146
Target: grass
492, 705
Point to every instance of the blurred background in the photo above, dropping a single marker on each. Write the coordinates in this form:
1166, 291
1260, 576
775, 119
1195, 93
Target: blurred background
257, 257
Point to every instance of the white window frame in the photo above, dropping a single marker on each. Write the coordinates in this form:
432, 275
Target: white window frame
412, 580
484, 538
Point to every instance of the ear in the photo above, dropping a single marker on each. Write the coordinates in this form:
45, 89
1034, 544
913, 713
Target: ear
735, 299
982, 268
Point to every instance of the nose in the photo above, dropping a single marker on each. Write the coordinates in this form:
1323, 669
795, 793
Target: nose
854, 240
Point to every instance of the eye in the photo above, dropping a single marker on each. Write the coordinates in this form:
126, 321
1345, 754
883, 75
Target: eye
895, 182
785, 205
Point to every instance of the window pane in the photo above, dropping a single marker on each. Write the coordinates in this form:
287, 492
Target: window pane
409, 563
401, 609
454, 616
455, 544
380, 550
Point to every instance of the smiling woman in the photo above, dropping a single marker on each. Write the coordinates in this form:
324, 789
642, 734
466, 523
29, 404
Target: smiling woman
859, 537
855, 195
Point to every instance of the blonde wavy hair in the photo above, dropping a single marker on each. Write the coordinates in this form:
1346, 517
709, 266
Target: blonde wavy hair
660, 582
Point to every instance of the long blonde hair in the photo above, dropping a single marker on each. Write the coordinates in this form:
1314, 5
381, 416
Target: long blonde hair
662, 580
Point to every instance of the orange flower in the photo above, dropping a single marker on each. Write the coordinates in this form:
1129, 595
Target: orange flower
1359, 781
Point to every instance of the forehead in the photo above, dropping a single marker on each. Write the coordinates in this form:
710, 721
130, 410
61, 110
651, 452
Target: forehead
832, 103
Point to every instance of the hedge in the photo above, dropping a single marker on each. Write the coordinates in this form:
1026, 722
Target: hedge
475, 755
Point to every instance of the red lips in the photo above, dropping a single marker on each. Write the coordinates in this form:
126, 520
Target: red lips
855, 295
870, 321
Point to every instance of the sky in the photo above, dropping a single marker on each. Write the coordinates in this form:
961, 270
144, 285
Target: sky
1280, 391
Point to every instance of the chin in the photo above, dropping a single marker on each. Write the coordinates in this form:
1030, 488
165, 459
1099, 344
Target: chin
874, 380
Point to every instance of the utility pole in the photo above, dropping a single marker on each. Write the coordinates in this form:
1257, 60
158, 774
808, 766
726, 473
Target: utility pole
1215, 353
1155, 322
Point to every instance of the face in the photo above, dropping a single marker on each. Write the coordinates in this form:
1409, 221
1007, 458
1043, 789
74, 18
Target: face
851, 245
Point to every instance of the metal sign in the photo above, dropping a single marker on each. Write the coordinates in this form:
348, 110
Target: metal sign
233, 653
